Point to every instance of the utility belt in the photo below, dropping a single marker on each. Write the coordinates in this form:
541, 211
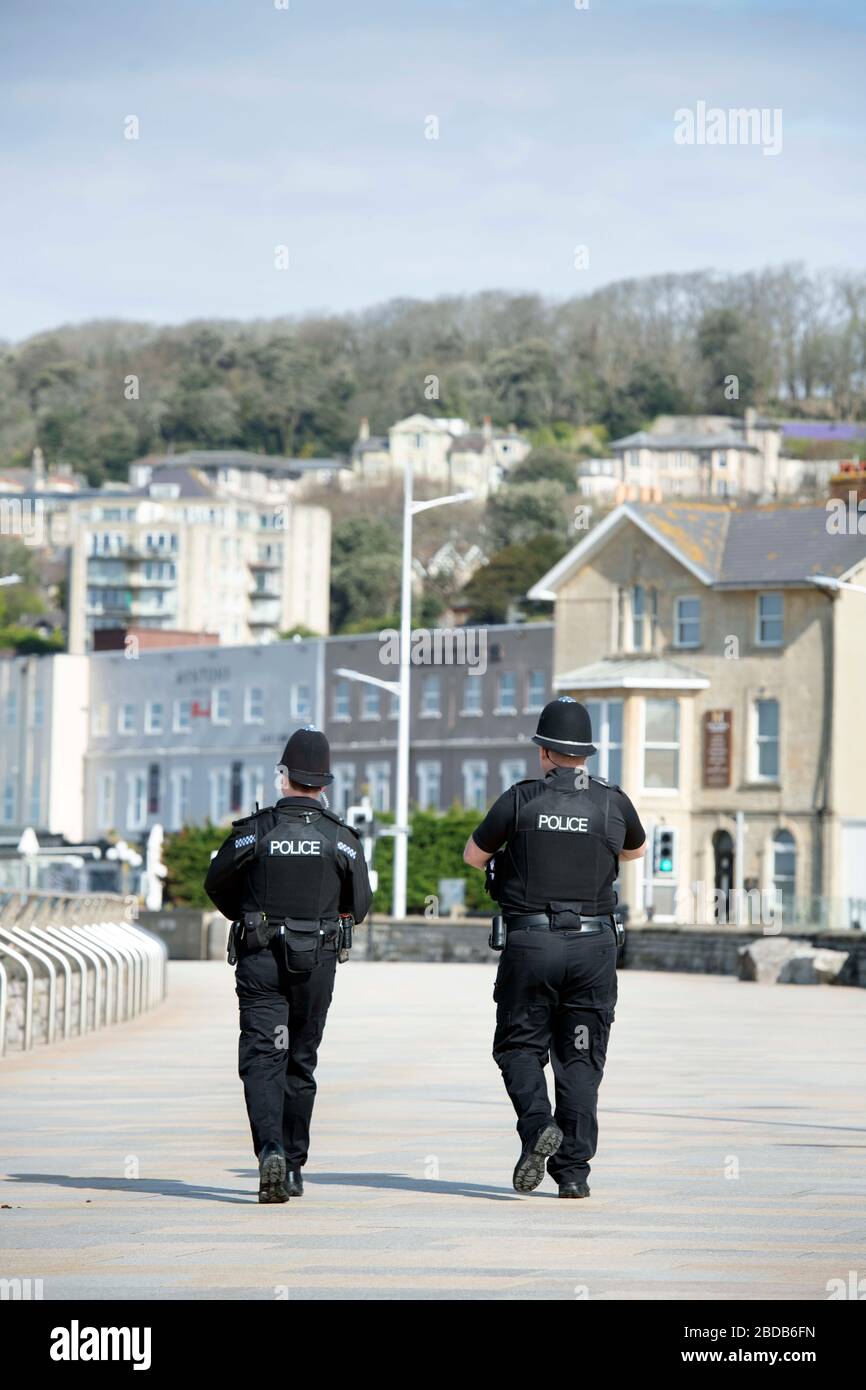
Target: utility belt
559, 917
300, 940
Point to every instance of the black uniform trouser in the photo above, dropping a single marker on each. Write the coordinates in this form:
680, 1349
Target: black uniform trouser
555, 995
282, 1017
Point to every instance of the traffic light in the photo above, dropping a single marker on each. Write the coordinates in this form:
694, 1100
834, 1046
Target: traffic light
664, 852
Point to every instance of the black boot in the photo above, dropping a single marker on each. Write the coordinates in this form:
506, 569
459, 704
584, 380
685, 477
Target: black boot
530, 1166
272, 1174
573, 1189
295, 1182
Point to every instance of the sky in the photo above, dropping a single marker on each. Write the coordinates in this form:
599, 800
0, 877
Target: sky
305, 127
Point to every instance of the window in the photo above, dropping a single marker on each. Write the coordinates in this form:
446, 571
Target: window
126, 719
536, 690
153, 789
8, 799
11, 709
303, 703
638, 612
237, 786
394, 706
606, 719
766, 766
220, 794
38, 709
136, 800
687, 622
472, 695
514, 770
784, 872
153, 717
343, 789
431, 687
475, 784
254, 787
770, 615
221, 705
35, 804
379, 782
100, 720
254, 705
661, 758
180, 784
182, 716
105, 801
370, 702
619, 639
429, 785
506, 693
342, 700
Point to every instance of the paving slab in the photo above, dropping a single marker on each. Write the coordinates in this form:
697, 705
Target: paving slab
730, 1165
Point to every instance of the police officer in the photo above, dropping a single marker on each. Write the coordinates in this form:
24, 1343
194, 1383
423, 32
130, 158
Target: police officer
551, 846
285, 875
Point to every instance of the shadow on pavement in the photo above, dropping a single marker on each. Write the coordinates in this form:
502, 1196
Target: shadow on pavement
166, 1187
402, 1182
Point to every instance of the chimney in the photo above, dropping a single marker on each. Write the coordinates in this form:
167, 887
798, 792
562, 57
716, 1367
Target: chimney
364, 428
37, 469
849, 484
487, 429
750, 419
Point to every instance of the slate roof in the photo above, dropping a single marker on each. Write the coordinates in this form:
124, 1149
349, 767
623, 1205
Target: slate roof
727, 439
755, 545
784, 545
190, 483
698, 530
239, 458
752, 547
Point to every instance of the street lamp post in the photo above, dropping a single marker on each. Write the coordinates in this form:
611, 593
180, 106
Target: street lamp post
402, 687
401, 828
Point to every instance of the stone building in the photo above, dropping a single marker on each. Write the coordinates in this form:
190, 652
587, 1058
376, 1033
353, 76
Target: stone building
445, 452
724, 662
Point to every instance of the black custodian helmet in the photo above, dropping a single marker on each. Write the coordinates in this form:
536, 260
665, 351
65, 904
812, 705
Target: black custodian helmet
307, 758
564, 726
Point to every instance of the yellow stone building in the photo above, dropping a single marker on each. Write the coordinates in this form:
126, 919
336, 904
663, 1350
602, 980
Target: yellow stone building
722, 654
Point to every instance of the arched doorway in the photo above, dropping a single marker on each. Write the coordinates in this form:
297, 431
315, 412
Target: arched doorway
723, 859
785, 873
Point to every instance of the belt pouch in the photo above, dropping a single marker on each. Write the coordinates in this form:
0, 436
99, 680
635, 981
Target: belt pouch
564, 916
302, 945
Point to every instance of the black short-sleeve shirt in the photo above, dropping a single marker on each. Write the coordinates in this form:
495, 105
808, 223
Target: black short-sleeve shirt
555, 842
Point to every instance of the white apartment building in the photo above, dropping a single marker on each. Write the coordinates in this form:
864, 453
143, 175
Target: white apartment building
179, 554
237, 473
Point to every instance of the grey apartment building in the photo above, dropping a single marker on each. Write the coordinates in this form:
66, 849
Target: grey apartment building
190, 734
109, 743
469, 727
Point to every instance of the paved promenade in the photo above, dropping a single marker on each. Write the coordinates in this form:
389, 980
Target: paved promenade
731, 1165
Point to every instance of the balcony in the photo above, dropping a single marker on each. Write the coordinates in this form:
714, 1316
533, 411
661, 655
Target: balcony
265, 615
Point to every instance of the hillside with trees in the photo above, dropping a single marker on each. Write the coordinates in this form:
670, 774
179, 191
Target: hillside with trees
97, 395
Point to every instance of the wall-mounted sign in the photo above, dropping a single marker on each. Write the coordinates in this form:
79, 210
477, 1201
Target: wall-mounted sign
717, 747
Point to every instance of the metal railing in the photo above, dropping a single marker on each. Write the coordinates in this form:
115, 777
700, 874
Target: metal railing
71, 963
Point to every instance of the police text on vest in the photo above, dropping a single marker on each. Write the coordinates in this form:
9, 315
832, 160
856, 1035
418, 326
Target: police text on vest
295, 847
579, 823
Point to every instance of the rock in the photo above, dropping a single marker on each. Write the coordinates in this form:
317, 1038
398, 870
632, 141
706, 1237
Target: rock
780, 960
820, 967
